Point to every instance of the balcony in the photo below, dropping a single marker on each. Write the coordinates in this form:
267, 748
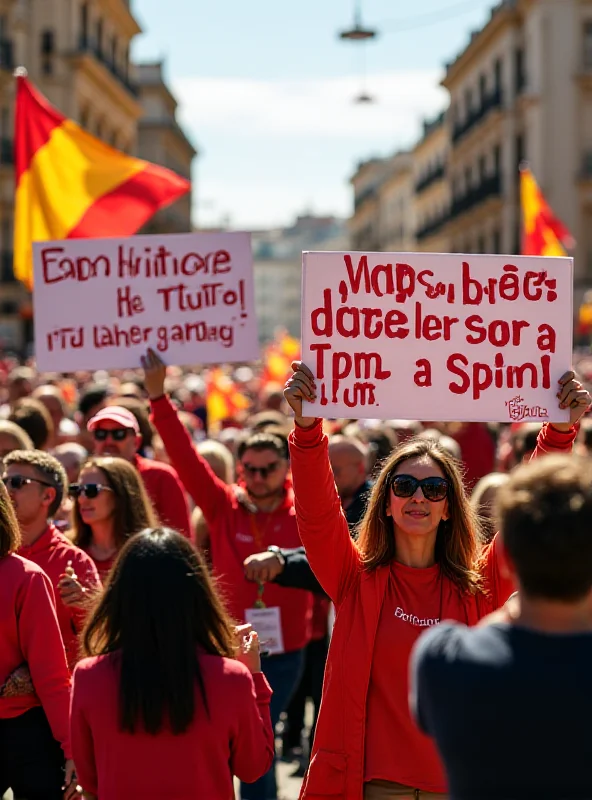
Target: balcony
476, 115
6, 267
87, 47
436, 174
432, 227
490, 187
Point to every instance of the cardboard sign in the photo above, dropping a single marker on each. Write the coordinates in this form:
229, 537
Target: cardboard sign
437, 337
100, 303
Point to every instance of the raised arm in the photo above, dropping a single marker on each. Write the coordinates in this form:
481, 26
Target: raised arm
206, 490
558, 437
323, 528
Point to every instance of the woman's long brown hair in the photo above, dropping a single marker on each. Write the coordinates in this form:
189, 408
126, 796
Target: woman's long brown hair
133, 509
456, 542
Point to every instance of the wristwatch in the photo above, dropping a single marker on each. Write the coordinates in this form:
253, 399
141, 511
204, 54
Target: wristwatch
278, 554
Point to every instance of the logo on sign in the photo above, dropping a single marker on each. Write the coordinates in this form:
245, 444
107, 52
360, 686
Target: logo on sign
518, 410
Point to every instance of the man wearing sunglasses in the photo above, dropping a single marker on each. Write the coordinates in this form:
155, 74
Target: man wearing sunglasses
37, 483
116, 432
238, 529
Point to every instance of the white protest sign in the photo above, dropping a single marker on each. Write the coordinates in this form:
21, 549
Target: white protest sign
436, 337
100, 303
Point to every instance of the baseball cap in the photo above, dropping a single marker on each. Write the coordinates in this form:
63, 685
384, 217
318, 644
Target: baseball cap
116, 414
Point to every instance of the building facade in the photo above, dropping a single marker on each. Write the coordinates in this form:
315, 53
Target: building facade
161, 140
77, 52
520, 90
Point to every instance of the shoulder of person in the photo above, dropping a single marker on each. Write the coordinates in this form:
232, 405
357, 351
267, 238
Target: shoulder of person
94, 666
16, 565
158, 468
221, 668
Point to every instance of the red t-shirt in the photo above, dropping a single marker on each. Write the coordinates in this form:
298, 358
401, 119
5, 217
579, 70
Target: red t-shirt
52, 551
30, 634
103, 566
236, 532
415, 599
236, 737
166, 493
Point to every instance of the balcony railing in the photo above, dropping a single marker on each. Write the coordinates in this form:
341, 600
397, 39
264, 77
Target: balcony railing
6, 54
89, 47
490, 187
6, 267
429, 178
491, 101
432, 227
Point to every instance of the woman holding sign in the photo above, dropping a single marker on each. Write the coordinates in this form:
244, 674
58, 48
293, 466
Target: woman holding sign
415, 563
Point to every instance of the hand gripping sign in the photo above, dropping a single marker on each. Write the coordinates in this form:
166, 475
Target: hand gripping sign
437, 337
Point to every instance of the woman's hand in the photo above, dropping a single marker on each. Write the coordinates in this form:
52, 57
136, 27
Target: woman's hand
154, 374
72, 592
574, 396
262, 567
247, 648
301, 386
70, 788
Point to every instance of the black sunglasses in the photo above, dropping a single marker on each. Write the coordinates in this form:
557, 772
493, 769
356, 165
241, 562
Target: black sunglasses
117, 434
90, 490
17, 482
434, 489
263, 471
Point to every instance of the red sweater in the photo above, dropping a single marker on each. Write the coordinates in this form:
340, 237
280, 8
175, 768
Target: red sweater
232, 532
166, 492
29, 633
236, 738
361, 694
52, 551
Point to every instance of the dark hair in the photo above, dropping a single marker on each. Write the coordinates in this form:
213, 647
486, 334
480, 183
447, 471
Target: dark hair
158, 608
93, 395
48, 468
133, 509
525, 440
10, 536
545, 515
32, 416
264, 441
456, 542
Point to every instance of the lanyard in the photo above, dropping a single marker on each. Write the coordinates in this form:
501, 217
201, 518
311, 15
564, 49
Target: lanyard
259, 537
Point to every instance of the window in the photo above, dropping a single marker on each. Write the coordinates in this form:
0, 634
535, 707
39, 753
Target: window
114, 51
497, 72
47, 51
468, 102
481, 244
497, 160
468, 179
84, 25
482, 89
482, 168
520, 150
588, 45
100, 36
519, 70
496, 242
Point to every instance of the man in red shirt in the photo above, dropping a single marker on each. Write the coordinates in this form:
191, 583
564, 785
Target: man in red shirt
242, 522
36, 483
116, 432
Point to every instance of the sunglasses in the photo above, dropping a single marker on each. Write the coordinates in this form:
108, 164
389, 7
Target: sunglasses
17, 482
434, 489
117, 434
90, 490
263, 471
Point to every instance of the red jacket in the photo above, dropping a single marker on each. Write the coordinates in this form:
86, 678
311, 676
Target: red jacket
30, 634
166, 492
236, 737
52, 552
232, 532
337, 763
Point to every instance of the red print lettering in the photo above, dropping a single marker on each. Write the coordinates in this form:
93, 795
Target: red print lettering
83, 268
128, 304
499, 332
508, 287
432, 327
478, 377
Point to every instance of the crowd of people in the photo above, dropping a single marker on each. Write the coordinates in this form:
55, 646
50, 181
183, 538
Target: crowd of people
174, 593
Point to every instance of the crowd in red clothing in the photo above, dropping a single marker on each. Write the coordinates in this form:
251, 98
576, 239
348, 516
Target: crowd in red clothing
90, 461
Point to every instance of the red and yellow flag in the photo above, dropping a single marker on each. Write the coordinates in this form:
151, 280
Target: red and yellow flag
224, 399
278, 357
70, 185
542, 233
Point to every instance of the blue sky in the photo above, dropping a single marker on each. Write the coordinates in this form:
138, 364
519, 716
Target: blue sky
266, 92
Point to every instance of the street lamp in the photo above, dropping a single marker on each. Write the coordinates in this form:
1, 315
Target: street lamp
359, 33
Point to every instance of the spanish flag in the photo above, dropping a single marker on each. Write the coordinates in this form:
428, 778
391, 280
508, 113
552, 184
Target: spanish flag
70, 185
224, 399
542, 233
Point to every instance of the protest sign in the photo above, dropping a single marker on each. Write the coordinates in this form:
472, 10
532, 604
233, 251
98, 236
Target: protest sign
436, 337
100, 303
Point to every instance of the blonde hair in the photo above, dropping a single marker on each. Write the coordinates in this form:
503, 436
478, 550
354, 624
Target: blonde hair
456, 542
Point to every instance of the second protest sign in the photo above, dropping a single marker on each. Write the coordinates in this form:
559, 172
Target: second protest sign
437, 337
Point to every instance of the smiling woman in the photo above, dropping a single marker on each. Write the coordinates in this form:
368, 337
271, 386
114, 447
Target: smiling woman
416, 561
